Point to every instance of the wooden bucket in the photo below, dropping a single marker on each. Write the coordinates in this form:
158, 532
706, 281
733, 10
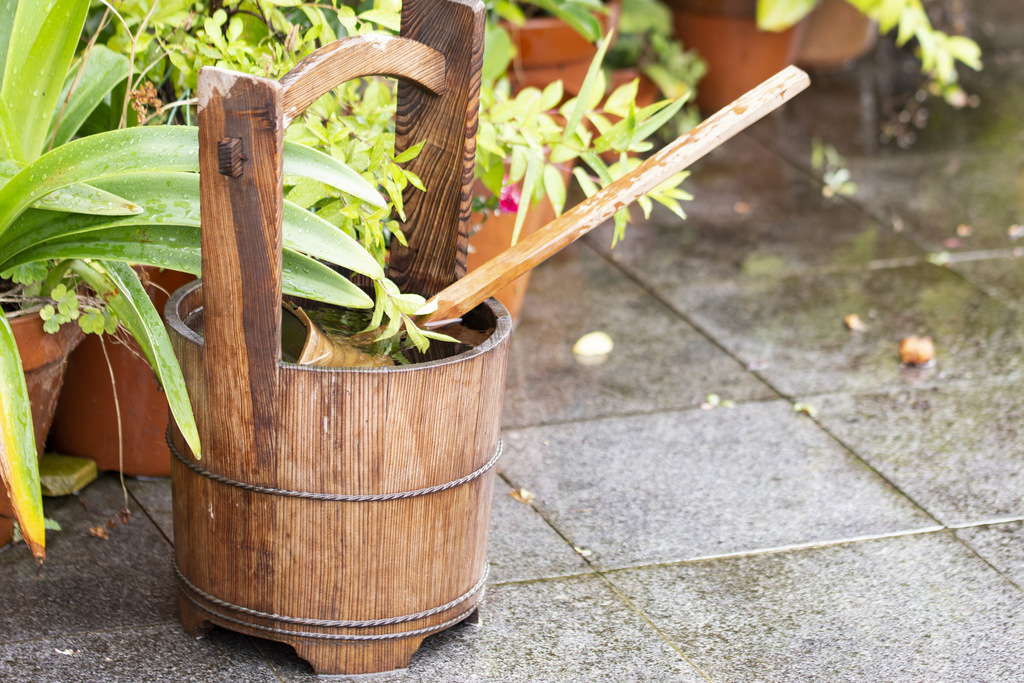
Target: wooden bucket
344, 512
369, 530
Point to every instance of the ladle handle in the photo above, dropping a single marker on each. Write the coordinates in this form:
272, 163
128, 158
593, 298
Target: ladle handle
462, 296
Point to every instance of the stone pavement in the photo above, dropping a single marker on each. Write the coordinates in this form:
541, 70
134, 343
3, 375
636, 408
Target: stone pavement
876, 535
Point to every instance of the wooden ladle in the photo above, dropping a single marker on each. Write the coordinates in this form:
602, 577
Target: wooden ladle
465, 294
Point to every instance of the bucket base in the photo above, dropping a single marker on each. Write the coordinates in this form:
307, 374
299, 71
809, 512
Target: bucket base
326, 656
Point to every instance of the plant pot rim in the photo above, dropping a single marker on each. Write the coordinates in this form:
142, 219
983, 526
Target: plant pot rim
502, 329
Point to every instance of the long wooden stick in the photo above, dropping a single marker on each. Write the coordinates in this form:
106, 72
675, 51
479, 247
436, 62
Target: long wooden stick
476, 287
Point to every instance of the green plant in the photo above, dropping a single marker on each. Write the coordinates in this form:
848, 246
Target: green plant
68, 233
646, 42
527, 141
524, 144
938, 51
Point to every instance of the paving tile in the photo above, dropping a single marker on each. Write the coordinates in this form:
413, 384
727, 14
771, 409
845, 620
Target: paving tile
160, 652
995, 24
675, 486
959, 171
914, 608
658, 362
784, 226
88, 584
523, 546
956, 449
1003, 278
154, 495
791, 329
1000, 544
553, 631
931, 196
853, 108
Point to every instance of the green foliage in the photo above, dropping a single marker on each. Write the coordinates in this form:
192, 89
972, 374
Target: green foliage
836, 177
65, 224
938, 51
530, 139
646, 41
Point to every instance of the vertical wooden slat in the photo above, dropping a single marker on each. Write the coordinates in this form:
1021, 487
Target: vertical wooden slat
240, 158
241, 148
437, 228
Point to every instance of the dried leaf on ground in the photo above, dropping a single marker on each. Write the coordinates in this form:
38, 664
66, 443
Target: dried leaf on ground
98, 532
916, 350
805, 408
854, 323
523, 496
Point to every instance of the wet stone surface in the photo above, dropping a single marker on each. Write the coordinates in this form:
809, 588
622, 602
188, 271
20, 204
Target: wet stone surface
658, 361
955, 450
564, 630
900, 609
523, 546
160, 652
87, 583
1003, 278
754, 217
677, 486
154, 496
1002, 545
791, 330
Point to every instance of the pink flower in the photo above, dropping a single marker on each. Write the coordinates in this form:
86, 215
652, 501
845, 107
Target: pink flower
509, 198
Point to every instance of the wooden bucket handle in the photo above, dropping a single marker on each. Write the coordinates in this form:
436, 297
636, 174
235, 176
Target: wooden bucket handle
242, 119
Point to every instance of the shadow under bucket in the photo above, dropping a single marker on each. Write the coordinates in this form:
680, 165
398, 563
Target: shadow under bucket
368, 530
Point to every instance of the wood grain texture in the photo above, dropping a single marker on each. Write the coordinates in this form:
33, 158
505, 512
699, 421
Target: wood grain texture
437, 226
484, 282
291, 567
348, 58
339, 431
241, 266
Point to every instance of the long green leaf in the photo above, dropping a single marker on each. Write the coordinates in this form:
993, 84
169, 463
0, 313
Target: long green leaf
8, 9
33, 79
10, 140
173, 199
79, 198
18, 465
306, 162
177, 247
149, 149
103, 70
580, 106
87, 199
120, 287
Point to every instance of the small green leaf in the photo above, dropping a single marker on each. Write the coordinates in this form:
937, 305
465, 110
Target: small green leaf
554, 186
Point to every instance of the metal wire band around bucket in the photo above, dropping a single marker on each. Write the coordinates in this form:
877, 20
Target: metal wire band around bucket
335, 623
338, 497
333, 636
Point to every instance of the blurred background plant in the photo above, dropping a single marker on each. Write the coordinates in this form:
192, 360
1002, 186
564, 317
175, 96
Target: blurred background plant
938, 51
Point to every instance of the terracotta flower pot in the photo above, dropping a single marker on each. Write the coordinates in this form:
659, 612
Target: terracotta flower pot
835, 33
548, 49
85, 422
739, 55
44, 359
